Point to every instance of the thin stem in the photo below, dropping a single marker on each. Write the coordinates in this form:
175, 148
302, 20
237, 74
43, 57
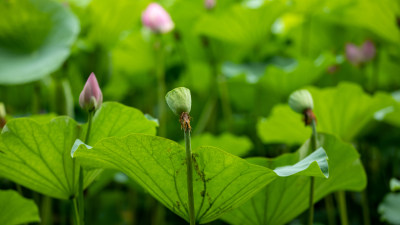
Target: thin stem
189, 176
366, 214
90, 117
160, 73
330, 210
341, 198
314, 145
311, 212
218, 84
81, 200
46, 210
76, 211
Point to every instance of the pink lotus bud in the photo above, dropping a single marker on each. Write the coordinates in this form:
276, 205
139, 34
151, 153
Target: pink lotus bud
368, 50
209, 4
358, 55
354, 54
157, 19
91, 96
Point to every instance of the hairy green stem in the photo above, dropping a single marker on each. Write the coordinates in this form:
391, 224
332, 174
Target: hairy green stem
314, 145
189, 176
341, 198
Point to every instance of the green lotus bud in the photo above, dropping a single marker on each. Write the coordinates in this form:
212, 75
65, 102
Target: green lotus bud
179, 100
2, 115
300, 101
2, 111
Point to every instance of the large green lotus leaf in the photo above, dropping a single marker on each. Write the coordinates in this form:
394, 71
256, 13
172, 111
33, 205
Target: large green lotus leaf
287, 197
378, 17
236, 145
343, 111
241, 25
389, 208
16, 209
221, 181
37, 155
35, 39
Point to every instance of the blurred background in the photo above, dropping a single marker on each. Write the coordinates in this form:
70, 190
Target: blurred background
239, 58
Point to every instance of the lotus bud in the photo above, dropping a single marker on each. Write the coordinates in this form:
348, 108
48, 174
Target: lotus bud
157, 19
209, 4
91, 96
300, 101
368, 50
2, 115
353, 54
179, 100
358, 55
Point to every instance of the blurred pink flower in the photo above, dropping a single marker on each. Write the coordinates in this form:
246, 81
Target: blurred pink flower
91, 97
358, 55
368, 50
209, 4
157, 19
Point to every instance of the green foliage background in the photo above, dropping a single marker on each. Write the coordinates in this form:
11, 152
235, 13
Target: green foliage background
241, 60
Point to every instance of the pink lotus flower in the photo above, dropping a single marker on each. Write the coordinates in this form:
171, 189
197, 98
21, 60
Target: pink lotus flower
209, 4
358, 55
157, 19
91, 96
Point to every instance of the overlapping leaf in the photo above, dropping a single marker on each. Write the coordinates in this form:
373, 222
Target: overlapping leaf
44, 30
37, 155
17, 210
287, 197
343, 111
221, 181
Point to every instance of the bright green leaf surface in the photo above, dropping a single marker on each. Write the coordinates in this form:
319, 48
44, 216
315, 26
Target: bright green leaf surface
287, 197
389, 208
37, 155
23, 23
236, 145
283, 126
343, 111
222, 181
17, 210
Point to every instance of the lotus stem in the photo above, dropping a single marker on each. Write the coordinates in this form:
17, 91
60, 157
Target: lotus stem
189, 172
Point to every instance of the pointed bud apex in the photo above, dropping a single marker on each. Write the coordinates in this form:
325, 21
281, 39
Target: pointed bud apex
179, 100
209, 4
300, 101
91, 96
157, 19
